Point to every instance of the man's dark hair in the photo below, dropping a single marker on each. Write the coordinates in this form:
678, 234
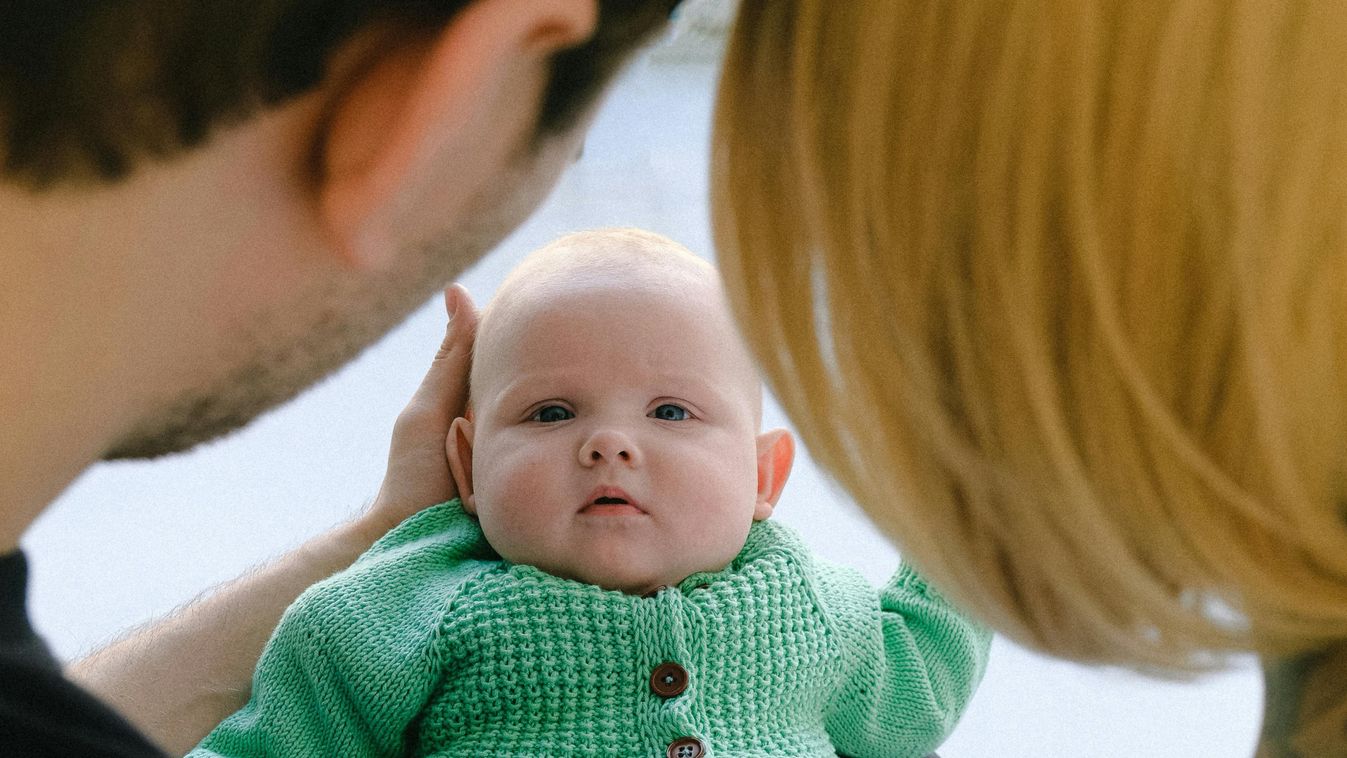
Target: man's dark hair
89, 88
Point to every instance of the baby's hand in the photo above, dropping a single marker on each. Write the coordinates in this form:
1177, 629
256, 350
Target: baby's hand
418, 473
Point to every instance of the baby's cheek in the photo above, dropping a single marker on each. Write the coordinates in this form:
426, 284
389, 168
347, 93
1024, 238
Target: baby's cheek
530, 514
507, 530
721, 537
510, 481
530, 479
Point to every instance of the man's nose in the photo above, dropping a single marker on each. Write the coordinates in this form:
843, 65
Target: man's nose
611, 446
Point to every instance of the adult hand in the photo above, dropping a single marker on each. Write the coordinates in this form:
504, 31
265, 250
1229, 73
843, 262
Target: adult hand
418, 472
159, 677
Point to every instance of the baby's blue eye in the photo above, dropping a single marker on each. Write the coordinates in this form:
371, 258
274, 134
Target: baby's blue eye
550, 414
670, 412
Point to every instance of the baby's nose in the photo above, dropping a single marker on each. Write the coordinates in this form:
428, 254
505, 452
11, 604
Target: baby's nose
609, 445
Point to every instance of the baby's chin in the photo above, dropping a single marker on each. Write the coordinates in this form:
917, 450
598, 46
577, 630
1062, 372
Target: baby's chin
639, 583
632, 566
625, 582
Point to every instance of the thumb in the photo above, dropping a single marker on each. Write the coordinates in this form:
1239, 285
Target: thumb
462, 319
444, 390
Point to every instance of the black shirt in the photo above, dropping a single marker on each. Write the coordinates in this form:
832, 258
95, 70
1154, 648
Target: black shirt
41, 712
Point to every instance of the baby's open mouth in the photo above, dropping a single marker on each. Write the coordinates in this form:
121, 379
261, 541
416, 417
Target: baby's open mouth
611, 501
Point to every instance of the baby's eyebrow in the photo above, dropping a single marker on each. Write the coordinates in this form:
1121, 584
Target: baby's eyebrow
516, 387
717, 385
692, 387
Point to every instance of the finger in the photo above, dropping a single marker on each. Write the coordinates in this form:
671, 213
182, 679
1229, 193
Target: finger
462, 328
445, 386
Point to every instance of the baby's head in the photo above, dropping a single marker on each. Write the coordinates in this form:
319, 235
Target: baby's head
613, 431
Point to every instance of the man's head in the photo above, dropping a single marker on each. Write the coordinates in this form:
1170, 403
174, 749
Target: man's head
613, 436
237, 198
90, 91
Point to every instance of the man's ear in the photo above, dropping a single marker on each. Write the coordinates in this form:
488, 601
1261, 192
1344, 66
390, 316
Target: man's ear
423, 124
458, 450
776, 455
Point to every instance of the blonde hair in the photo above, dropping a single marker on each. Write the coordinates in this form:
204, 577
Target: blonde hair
1056, 290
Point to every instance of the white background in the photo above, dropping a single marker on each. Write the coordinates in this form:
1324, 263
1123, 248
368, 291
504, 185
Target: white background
129, 542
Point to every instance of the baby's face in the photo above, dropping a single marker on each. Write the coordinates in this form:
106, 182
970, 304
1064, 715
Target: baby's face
614, 439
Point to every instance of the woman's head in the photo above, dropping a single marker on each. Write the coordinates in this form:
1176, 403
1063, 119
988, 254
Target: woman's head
1058, 291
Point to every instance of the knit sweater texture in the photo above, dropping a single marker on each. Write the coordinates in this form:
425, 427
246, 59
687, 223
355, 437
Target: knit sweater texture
432, 645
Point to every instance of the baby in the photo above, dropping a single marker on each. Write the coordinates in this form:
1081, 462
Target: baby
609, 583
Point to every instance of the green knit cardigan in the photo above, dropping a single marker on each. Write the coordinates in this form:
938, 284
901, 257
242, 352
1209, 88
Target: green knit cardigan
432, 645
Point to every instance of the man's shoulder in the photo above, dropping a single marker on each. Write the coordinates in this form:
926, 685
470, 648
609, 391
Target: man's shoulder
41, 712
44, 714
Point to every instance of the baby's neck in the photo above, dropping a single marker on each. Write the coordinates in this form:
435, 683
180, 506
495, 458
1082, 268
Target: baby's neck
649, 590
1305, 705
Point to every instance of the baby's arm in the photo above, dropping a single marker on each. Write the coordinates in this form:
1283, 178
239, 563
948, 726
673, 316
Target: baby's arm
914, 663
354, 660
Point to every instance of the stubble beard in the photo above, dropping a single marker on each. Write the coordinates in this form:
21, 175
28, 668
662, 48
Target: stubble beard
274, 371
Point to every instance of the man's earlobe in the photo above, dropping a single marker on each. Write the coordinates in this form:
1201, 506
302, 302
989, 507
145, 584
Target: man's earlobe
458, 451
421, 125
776, 455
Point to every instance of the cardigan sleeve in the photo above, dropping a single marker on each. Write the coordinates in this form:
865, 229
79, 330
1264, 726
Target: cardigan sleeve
354, 659
912, 664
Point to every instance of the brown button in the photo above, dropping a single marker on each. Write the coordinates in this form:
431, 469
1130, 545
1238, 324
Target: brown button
668, 680
686, 747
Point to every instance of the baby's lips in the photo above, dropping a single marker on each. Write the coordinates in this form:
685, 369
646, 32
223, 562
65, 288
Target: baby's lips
610, 495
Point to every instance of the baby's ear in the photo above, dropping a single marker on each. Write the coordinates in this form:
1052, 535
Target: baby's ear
776, 454
458, 449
